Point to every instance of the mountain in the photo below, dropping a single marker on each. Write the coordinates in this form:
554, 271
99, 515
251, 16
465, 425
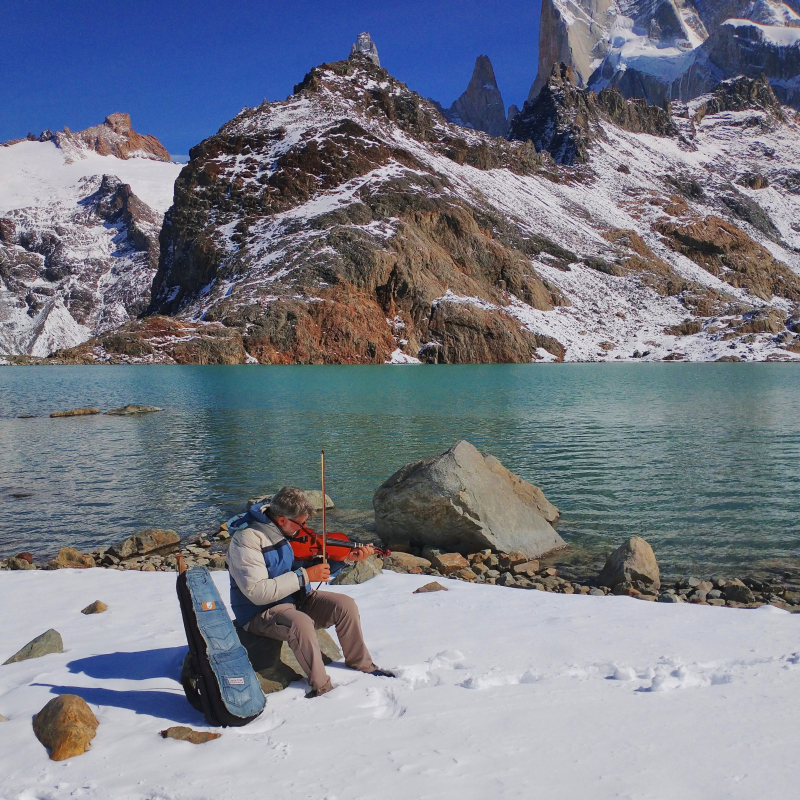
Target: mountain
351, 223
481, 106
80, 216
663, 50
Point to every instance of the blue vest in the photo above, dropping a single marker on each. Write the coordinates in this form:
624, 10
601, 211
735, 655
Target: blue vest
278, 559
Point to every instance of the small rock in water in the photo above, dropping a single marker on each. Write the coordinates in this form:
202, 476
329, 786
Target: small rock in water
632, 561
75, 412
144, 542
433, 586
49, 642
314, 496
184, 734
25, 557
98, 607
132, 409
66, 725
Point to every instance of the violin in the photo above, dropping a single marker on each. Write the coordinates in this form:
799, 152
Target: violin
308, 545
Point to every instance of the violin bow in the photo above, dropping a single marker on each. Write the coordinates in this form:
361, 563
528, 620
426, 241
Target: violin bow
324, 526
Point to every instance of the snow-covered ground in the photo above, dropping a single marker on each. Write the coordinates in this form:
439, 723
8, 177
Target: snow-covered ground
40, 174
502, 693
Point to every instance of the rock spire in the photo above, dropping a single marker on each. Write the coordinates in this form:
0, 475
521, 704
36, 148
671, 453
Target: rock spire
366, 47
481, 106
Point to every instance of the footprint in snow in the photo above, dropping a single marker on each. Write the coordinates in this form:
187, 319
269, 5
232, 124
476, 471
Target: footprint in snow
385, 704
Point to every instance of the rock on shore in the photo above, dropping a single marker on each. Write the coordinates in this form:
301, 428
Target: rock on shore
463, 500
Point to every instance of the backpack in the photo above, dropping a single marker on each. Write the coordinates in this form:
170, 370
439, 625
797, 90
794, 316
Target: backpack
217, 676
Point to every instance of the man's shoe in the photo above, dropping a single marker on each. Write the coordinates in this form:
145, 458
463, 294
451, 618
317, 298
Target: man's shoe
319, 692
382, 673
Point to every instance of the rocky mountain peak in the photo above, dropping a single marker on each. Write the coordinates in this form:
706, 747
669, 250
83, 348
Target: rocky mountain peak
366, 47
564, 118
662, 50
481, 106
115, 137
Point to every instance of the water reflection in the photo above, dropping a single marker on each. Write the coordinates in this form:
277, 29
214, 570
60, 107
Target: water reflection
700, 459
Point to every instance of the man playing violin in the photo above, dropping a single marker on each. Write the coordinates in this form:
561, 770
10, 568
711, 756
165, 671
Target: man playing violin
272, 598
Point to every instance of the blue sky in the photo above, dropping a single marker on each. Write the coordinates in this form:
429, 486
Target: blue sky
182, 69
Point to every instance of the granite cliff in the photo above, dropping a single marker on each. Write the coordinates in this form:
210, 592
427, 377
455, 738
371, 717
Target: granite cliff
663, 50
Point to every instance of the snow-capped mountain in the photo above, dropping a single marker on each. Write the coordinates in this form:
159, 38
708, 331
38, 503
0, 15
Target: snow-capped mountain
671, 49
351, 223
80, 215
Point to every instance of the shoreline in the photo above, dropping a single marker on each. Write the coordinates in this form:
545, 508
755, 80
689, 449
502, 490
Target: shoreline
505, 570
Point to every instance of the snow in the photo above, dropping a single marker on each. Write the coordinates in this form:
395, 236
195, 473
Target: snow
38, 173
774, 34
501, 693
399, 357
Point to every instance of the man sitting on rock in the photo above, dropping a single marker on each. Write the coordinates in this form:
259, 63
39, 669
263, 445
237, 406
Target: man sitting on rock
270, 598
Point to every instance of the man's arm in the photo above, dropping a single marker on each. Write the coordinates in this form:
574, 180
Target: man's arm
249, 572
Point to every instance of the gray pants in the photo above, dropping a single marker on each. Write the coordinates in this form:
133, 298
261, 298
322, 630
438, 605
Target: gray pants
286, 623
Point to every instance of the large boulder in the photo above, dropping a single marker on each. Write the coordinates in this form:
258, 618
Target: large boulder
44, 644
66, 725
143, 542
632, 561
464, 500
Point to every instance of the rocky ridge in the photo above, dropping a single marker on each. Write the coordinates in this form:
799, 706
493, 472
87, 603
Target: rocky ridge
351, 223
114, 137
606, 230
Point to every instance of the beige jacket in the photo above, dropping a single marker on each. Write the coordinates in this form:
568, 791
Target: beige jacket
249, 571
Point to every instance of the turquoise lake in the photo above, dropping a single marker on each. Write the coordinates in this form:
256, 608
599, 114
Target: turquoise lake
703, 460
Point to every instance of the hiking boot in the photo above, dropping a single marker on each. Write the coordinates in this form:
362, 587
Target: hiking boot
319, 692
382, 673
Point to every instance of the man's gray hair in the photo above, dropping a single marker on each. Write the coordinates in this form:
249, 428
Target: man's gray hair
290, 502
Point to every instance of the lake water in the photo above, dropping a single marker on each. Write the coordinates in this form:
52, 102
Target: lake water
703, 460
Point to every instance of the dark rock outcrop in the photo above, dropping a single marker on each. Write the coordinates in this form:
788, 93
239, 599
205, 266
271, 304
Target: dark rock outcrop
481, 106
564, 119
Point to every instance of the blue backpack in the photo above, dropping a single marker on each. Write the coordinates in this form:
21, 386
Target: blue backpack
217, 677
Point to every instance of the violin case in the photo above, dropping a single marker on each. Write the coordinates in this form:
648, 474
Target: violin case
217, 676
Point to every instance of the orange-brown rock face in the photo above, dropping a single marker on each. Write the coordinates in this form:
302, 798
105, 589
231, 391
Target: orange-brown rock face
115, 137
729, 253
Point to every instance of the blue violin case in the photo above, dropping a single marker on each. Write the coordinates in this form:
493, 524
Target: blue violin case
217, 676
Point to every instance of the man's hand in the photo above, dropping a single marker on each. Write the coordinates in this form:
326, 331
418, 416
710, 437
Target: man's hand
319, 572
360, 553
